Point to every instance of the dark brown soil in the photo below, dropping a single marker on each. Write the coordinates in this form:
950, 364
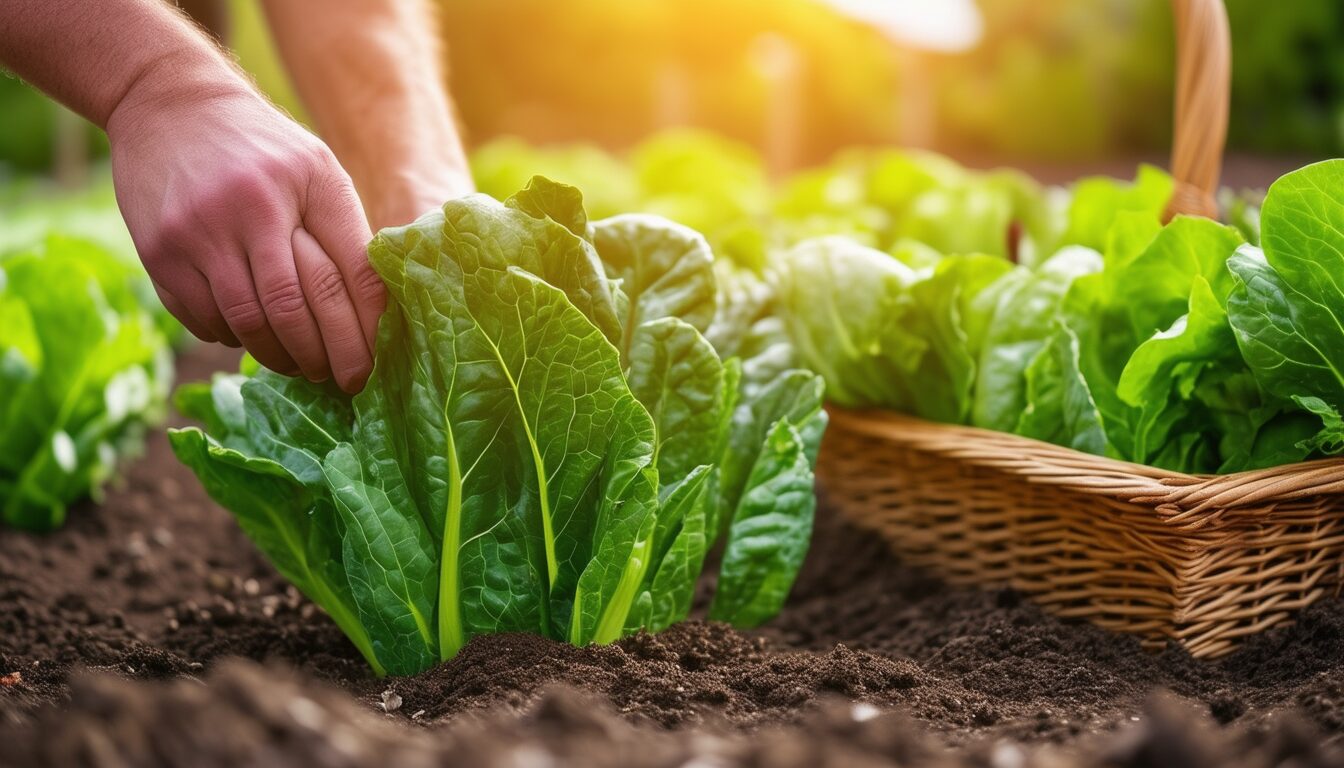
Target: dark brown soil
245, 714
157, 583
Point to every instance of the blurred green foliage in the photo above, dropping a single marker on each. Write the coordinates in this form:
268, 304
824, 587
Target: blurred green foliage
613, 71
1288, 76
912, 204
1052, 79
1074, 78
28, 129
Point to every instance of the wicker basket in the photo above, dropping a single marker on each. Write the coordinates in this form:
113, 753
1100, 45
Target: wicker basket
1202, 561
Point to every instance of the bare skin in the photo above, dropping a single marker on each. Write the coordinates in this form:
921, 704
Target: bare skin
349, 61
252, 231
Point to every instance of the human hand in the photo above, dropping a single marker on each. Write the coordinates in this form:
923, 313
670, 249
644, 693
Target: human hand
250, 230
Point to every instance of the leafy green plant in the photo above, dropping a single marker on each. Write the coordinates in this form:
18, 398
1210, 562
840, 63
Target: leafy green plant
548, 442
1179, 346
1287, 303
914, 205
33, 208
713, 185
84, 368
1069, 315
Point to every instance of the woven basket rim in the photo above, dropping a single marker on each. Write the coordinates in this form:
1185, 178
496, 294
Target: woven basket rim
1181, 497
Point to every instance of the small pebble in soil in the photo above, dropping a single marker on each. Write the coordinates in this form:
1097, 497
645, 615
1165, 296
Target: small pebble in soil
306, 713
531, 757
863, 712
136, 546
218, 582
1007, 756
170, 489
391, 701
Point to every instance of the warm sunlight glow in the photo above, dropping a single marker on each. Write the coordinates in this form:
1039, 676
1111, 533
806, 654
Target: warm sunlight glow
938, 25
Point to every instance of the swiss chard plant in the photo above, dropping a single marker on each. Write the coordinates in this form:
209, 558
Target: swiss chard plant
548, 442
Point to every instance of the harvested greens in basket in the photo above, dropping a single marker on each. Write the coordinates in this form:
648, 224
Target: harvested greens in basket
1178, 346
548, 442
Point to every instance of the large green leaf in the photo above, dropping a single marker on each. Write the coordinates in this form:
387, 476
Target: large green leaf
1290, 340
482, 233
664, 270
389, 560
795, 397
1288, 298
1160, 379
769, 532
1022, 319
563, 204
676, 375
1143, 291
1303, 228
546, 404
747, 326
287, 522
1255, 430
1060, 408
294, 423
842, 303
1288, 306
1097, 201
943, 312
1154, 286
680, 541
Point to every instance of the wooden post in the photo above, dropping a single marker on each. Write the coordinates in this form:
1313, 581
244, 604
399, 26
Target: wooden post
673, 99
917, 120
70, 151
781, 68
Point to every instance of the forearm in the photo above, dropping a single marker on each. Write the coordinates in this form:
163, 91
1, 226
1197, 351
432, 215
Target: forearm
369, 73
95, 56
249, 229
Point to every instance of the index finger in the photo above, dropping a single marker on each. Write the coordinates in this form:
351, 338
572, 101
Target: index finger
335, 218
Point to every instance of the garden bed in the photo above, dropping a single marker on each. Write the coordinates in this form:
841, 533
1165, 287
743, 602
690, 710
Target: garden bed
158, 583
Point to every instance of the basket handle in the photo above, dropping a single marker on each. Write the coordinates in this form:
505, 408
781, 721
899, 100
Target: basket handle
1203, 85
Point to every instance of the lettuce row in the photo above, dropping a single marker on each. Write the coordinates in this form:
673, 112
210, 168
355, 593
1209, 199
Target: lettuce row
84, 370
548, 442
1179, 346
911, 204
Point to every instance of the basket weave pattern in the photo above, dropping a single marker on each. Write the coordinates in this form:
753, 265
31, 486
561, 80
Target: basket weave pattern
1202, 561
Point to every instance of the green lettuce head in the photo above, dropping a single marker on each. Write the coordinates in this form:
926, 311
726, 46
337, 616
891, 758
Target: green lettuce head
547, 444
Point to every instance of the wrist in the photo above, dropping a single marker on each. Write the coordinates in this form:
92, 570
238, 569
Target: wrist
398, 197
185, 78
